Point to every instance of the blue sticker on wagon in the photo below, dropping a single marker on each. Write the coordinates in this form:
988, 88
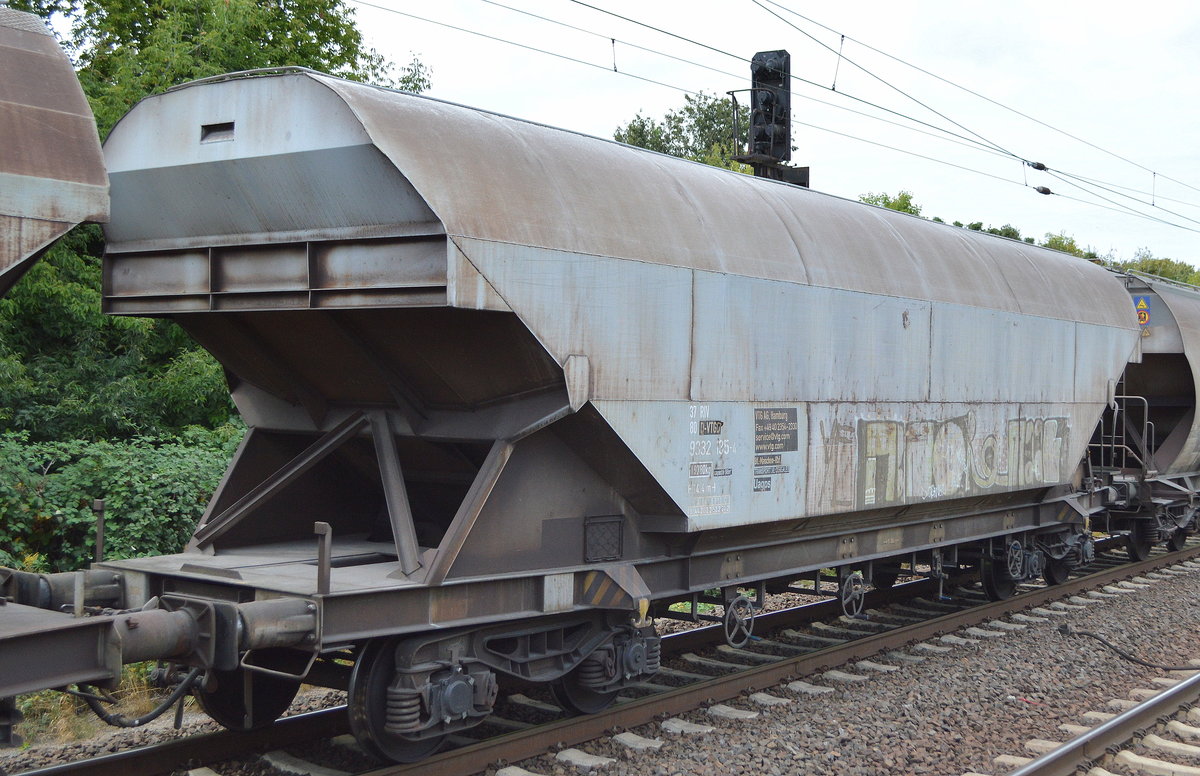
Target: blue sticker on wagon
1142, 305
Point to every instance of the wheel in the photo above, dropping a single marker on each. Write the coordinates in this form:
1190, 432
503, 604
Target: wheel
997, 584
1056, 571
245, 700
576, 698
1140, 540
1177, 541
367, 706
739, 621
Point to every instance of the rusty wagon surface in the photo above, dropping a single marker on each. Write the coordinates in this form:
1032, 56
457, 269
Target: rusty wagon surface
51, 169
512, 390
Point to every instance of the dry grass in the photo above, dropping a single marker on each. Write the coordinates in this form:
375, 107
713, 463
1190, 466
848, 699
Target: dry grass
58, 718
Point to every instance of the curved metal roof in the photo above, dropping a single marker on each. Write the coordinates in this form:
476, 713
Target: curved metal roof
572, 192
51, 168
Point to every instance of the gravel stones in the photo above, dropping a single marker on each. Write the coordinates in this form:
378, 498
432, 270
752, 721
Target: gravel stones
956, 712
289, 763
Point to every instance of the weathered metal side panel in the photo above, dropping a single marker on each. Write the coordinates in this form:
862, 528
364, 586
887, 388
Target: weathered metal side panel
989, 356
669, 286
730, 463
940, 392
632, 319
51, 169
286, 164
745, 339
757, 340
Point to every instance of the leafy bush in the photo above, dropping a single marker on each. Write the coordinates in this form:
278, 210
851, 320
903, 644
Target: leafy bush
155, 490
68, 371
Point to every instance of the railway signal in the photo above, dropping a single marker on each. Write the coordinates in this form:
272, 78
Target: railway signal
769, 142
771, 105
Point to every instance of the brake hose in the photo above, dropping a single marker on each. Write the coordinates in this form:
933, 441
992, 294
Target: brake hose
120, 720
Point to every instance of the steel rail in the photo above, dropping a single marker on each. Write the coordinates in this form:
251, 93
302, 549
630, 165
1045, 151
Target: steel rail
1094, 744
326, 723
167, 755
206, 747
521, 745
303, 728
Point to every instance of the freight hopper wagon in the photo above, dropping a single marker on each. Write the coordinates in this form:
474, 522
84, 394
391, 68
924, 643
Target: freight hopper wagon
51, 168
512, 391
1145, 454
51, 178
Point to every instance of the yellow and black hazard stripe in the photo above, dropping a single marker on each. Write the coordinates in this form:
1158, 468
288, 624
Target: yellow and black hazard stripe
600, 590
620, 587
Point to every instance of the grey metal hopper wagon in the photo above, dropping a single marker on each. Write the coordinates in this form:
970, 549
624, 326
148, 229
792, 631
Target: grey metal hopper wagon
51, 169
51, 178
512, 390
531, 380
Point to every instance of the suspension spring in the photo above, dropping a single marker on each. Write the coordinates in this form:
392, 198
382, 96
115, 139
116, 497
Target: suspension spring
592, 672
653, 656
403, 710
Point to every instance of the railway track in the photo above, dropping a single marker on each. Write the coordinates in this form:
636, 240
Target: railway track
659, 702
1113, 741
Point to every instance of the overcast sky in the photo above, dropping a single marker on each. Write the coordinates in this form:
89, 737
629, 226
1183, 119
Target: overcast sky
1125, 79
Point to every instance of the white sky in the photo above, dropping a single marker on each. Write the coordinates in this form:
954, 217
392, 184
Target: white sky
1124, 78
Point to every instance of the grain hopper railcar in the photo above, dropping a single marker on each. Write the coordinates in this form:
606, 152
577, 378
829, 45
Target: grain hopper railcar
51, 178
1146, 450
512, 390
51, 168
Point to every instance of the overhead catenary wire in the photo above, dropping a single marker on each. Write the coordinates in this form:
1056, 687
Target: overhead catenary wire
985, 143
1054, 174
910, 153
981, 143
976, 145
1125, 211
593, 33
525, 46
1154, 196
941, 133
1036, 165
961, 140
981, 96
1102, 187
889, 84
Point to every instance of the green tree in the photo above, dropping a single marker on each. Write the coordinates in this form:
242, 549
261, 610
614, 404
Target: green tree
1145, 261
127, 49
702, 130
66, 370
155, 491
1142, 261
1065, 243
1008, 230
902, 201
